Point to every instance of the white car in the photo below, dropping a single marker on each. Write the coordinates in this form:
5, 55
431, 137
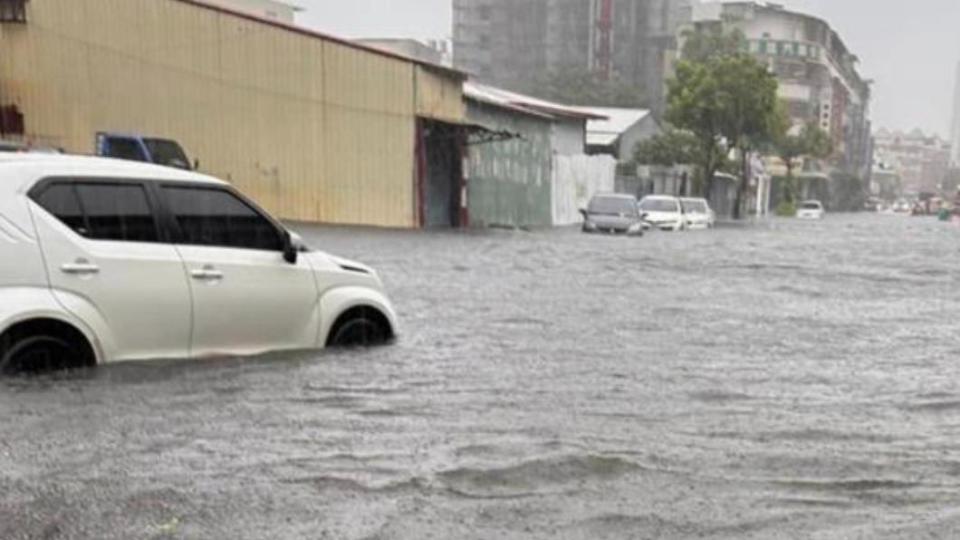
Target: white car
105, 260
811, 210
698, 213
663, 212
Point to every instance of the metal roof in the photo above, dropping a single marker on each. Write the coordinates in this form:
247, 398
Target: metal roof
322, 36
523, 103
615, 122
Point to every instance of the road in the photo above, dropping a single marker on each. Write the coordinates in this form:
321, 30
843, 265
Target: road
800, 380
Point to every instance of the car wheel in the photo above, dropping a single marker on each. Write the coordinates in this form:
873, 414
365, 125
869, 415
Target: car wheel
36, 354
360, 331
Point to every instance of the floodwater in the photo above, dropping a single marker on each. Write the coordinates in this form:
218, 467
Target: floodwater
799, 380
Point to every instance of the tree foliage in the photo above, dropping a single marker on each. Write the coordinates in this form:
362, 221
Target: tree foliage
708, 42
726, 101
791, 146
577, 86
667, 149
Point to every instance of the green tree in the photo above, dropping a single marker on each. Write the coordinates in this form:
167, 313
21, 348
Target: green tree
694, 104
748, 104
577, 86
670, 148
707, 42
810, 142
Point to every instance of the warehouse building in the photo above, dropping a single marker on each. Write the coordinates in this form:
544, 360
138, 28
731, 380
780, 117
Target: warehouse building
315, 128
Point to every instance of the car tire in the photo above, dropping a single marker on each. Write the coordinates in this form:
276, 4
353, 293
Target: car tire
36, 354
359, 331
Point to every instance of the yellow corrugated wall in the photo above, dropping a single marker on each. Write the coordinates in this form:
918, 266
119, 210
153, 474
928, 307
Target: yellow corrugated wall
313, 129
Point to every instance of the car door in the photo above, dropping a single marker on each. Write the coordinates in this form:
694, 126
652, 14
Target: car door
108, 263
246, 298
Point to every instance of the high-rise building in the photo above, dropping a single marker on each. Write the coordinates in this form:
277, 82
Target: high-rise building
817, 73
955, 126
513, 43
922, 161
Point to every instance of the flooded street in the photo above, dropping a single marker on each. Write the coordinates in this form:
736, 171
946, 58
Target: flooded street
800, 380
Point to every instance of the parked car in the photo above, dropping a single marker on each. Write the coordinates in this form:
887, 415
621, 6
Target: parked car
811, 210
146, 149
698, 213
106, 260
612, 213
663, 212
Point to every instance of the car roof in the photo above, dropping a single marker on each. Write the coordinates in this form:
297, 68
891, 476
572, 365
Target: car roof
614, 196
660, 198
29, 167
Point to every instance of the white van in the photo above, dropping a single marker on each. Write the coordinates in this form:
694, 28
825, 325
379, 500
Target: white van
105, 260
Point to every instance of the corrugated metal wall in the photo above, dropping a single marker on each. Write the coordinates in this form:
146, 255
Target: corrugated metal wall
313, 129
510, 181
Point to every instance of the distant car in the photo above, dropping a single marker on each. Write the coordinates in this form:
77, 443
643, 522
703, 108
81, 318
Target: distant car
811, 210
698, 213
612, 213
663, 212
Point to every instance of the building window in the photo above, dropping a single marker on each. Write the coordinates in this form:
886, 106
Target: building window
14, 11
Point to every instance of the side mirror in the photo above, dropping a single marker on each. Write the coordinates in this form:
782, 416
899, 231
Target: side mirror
290, 253
196, 164
583, 212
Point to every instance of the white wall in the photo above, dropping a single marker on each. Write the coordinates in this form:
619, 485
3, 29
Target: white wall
569, 137
575, 180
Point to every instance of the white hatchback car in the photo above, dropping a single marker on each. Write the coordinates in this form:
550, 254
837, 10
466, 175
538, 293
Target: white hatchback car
104, 260
698, 213
811, 210
663, 212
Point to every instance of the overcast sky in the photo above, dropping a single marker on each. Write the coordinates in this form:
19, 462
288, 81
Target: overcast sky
912, 55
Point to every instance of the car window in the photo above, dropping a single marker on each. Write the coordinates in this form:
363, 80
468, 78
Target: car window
119, 212
612, 205
216, 217
125, 148
116, 212
61, 200
659, 205
167, 153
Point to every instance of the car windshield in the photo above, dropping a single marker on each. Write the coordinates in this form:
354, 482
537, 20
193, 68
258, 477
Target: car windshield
658, 205
166, 152
811, 206
612, 206
694, 207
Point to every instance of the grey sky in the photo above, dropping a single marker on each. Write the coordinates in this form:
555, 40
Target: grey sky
910, 48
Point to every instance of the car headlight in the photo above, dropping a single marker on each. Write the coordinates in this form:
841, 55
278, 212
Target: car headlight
635, 228
589, 225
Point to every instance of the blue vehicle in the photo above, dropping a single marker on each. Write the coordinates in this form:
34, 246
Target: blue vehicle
146, 149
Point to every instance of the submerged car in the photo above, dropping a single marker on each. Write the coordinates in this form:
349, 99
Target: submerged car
663, 212
612, 213
103, 260
698, 213
810, 210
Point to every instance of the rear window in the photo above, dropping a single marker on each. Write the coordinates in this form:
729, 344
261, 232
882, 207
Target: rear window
659, 205
102, 211
694, 207
124, 148
612, 205
811, 206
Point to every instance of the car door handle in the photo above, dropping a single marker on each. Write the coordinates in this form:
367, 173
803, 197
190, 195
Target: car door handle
207, 273
81, 267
